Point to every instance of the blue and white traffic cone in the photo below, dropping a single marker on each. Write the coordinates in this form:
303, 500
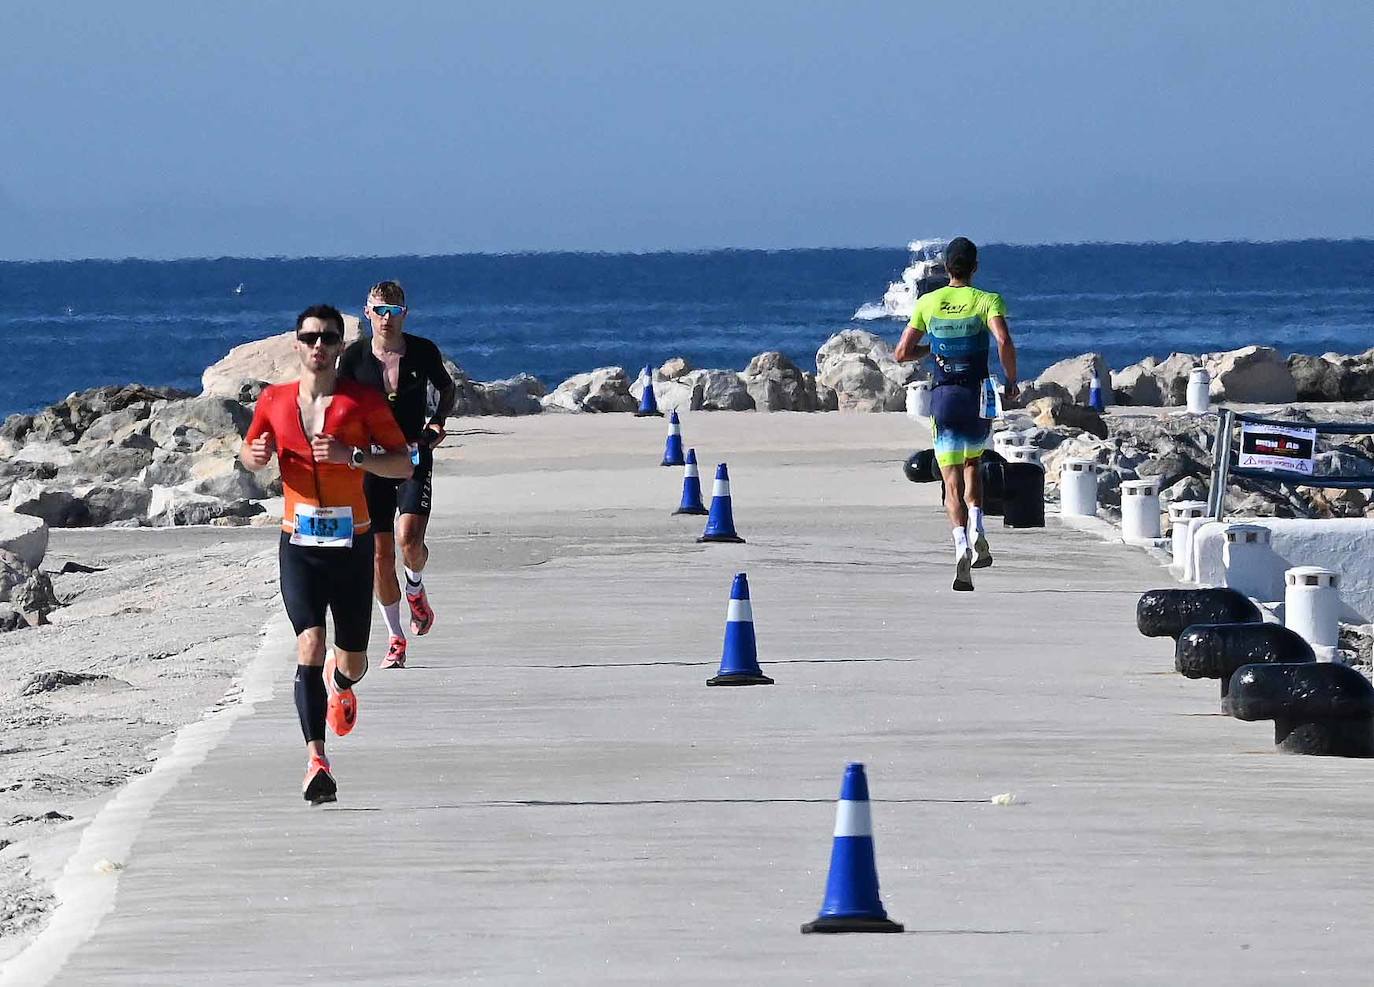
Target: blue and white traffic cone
720, 525
851, 891
672, 451
1095, 399
691, 487
739, 660
648, 403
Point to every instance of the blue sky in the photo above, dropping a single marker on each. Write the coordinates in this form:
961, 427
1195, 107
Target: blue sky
310, 128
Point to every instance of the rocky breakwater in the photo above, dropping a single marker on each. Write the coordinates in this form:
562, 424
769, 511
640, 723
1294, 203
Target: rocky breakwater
855, 371
131, 456
1177, 449
26, 593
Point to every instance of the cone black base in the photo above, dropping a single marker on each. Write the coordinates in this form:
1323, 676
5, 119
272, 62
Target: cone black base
739, 678
691, 510
853, 924
648, 414
734, 539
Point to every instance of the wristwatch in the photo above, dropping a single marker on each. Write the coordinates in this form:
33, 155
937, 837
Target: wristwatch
355, 458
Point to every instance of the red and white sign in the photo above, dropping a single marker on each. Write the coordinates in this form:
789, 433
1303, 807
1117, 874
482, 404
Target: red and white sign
1276, 447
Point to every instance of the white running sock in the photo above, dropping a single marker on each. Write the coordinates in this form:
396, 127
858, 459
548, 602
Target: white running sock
414, 580
391, 613
960, 543
975, 520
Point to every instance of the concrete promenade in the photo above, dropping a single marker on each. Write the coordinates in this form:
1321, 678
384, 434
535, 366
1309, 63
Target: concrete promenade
550, 792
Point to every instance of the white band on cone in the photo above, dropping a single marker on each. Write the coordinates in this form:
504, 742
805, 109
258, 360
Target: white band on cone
674, 428
740, 611
853, 819
721, 489
690, 471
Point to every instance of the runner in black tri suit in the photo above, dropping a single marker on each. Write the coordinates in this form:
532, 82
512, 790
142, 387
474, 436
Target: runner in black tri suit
402, 367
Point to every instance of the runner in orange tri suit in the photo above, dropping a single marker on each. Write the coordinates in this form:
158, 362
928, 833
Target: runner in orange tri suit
322, 429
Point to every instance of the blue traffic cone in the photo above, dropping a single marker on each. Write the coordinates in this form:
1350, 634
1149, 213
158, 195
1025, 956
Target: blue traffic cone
720, 526
691, 487
648, 404
672, 451
851, 891
739, 660
1095, 399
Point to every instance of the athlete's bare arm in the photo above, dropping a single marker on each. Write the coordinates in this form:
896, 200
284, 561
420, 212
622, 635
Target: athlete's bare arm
448, 397
910, 347
392, 465
1006, 352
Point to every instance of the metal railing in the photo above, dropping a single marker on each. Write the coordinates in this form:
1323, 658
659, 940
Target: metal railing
1222, 454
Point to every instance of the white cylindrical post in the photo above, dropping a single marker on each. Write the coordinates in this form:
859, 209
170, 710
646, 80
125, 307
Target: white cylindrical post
1022, 454
1078, 488
1180, 534
1191, 568
1247, 562
918, 399
1140, 511
1199, 391
1312, 607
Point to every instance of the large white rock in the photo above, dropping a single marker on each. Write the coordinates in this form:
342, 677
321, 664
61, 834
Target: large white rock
273, 360
188, 425
518, 395
1137, 384
1253, 374
1075, 376
1172, 376
59, 508
777, 384
721, 390
857, 366
603, 389
111, 502
24, 536
44, 452
854, 341
859, 384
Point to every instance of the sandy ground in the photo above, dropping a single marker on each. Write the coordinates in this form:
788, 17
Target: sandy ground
550, 791
151, 640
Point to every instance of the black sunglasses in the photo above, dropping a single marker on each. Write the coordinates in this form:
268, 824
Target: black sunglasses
330, 338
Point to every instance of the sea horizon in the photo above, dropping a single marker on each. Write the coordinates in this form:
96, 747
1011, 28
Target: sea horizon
85, 323
678, 251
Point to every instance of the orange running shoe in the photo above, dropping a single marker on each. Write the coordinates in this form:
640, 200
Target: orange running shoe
395, 654
319, 783
421, 616
342, 712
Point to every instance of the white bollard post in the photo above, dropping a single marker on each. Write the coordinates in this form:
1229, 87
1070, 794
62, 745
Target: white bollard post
1022, 454
1140, 511
1199, 391
1191, 569
1312, 607
1247, 561
1180, 534
1078, 488
918, 399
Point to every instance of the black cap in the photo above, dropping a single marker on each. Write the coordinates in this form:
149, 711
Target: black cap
961, 254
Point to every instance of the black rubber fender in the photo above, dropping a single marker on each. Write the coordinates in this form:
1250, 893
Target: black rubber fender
1168, 612
1215, 651
921, 467
1319, 708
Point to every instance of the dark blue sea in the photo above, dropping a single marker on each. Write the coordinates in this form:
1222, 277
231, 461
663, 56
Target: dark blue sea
72, 325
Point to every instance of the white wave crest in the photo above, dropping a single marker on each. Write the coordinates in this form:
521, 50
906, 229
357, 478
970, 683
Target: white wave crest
869, 311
